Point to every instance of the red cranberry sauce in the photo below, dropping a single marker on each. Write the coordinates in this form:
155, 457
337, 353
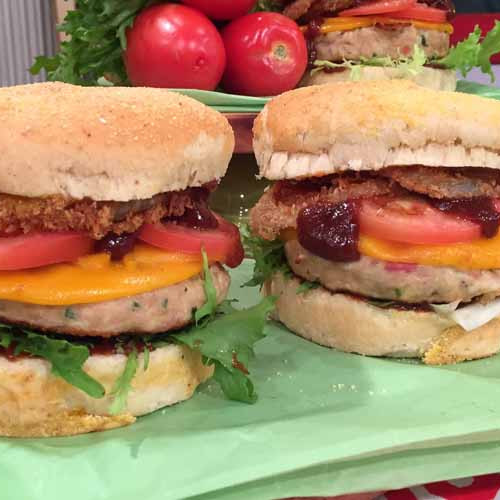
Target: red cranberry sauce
330, 231
481, 211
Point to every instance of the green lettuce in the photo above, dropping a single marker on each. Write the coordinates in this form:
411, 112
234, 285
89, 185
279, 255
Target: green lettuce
269, 257
474, 51
123, 384
227, 342
406, 66
66, 358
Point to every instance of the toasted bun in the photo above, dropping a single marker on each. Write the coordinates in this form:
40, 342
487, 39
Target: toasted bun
320, 130
115, 144
353, 325
36, 403
431, 78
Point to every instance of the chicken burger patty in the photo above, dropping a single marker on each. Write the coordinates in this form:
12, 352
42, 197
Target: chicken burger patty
162, 310
410, 283
393, 42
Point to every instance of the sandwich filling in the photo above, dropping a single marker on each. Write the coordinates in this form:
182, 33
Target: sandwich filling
81, 278
409, 236
405, 35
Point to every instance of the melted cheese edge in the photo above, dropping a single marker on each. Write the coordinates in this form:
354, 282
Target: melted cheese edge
333, 24
95, 278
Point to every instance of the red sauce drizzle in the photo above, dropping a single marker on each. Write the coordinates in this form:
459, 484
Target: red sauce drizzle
481, 211
330, 231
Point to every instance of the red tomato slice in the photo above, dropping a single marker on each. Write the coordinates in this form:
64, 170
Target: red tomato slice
380, 7
413, 221
222, 244
421, 12
42, 249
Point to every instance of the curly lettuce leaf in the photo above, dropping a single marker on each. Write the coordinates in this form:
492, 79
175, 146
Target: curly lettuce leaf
209, 308
269, 257
474, 51
66, 358
96, 38
406, 66
227, 342
123, 384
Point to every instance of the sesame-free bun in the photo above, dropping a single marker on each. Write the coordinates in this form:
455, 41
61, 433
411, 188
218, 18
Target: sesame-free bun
36, 403
431, 78
351, 324
325, 129
107, 143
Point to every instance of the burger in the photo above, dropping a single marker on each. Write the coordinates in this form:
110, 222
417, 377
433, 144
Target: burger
112, 278
379, 233
381, 40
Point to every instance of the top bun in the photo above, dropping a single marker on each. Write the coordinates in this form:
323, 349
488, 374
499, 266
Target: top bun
321, 130
114, 144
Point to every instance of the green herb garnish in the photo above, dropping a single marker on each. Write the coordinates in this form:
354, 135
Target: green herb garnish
123, 384
66, 358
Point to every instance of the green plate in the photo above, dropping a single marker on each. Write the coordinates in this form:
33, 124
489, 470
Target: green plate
326, 423
228, 103
478, 89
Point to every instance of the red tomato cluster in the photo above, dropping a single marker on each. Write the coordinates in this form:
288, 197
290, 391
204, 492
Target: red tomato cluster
178, 46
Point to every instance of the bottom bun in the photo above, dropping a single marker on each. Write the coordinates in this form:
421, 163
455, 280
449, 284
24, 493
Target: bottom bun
432, 78
36, 403
354, 325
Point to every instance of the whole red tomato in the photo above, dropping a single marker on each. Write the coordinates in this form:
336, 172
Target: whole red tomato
266, 54
222, 9
174, 46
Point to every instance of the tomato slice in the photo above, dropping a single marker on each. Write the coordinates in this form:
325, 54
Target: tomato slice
222, 244
379, 7
422, 12
42, 249
407, 220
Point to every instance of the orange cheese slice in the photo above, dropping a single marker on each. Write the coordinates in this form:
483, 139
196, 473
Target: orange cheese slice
352, 23
480, 254
95, 278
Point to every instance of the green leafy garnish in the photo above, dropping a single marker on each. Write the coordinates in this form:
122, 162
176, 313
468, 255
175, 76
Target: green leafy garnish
268, 5
227, 342
210, 306
382, 304
269, 257
406, 66
123, 384
96, 32
472, 53
66, 358
146, 357
307, 286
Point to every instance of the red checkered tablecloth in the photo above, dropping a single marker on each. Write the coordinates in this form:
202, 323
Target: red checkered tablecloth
479, 488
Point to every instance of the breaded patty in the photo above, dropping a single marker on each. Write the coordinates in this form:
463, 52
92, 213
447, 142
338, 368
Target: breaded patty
95, 218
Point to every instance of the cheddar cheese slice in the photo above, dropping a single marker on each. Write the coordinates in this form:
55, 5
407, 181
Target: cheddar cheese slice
95, 278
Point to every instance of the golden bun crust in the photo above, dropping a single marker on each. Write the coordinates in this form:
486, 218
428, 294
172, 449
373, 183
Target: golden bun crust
352, 325
35, 403
325, 129
115, 144
431, 78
